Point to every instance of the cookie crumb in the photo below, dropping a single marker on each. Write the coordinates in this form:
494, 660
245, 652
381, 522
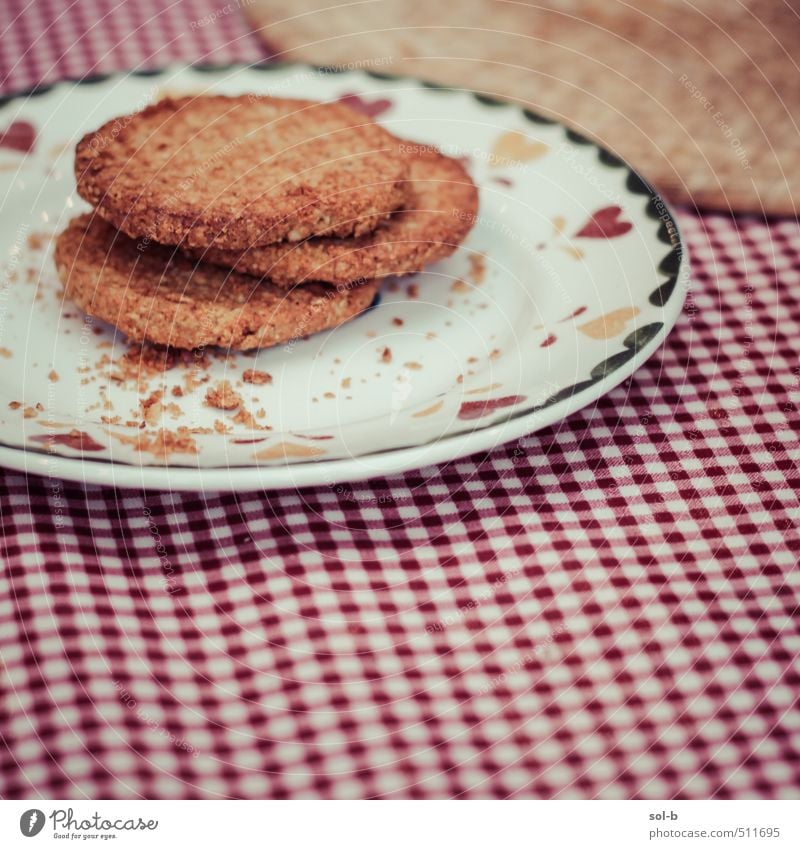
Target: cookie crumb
53, 376
386, 355
477, 268
152, 407
257, 377
223, 396
397, 322
161, 443
246, 418
32, 412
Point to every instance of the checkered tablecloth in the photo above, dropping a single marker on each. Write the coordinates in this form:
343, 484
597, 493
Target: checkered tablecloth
610, 613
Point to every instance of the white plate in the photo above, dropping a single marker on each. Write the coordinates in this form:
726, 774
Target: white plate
572, 276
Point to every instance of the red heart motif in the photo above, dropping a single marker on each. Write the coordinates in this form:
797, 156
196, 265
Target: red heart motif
76, 439
478, 409
19, 136
605, 224
370, 108
575, 314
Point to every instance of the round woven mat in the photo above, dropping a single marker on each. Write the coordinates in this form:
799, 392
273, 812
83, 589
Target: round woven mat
702, 97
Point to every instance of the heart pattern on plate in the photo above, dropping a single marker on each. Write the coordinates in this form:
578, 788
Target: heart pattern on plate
370, 108
20, 136
605, 224
609, 325
478, 409
514, 148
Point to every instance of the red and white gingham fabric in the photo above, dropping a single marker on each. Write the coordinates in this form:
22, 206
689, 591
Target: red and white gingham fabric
611, 612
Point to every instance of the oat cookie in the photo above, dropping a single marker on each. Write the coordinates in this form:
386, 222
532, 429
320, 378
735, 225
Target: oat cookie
239, 171
440, 211
162, 297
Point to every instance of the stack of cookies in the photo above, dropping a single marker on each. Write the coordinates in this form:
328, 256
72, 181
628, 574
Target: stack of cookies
248, 221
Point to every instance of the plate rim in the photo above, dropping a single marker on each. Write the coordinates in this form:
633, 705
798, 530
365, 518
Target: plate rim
452, 447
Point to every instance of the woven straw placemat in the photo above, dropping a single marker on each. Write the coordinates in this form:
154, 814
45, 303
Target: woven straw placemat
702, 97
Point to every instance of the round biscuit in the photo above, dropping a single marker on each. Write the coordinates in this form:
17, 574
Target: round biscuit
160, 296
440, 210
232, 172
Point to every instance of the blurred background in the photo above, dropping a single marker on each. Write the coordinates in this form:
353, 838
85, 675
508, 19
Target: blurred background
701, 96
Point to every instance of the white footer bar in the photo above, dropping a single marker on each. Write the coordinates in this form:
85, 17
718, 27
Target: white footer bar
402, 824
